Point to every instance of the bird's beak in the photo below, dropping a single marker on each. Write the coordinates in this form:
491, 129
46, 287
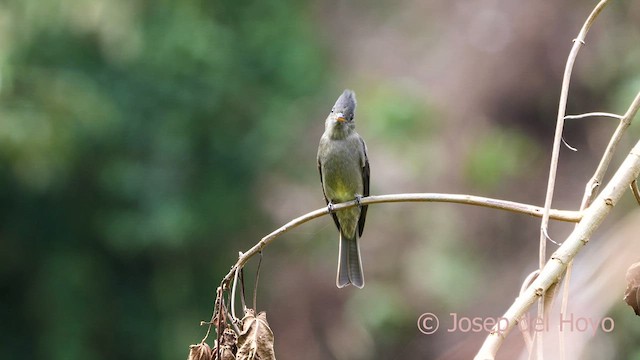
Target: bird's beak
340, 117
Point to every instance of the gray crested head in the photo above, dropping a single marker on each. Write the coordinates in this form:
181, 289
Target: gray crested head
346, 104
340, 121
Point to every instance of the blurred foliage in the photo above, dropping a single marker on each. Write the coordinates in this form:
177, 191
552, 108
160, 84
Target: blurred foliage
498, 155
453, 267
131, 135
396, 115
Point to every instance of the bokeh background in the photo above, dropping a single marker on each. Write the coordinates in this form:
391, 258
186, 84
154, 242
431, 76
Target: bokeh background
143, 144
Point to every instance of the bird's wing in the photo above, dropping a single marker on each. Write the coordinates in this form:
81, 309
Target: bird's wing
365, 184
333, 215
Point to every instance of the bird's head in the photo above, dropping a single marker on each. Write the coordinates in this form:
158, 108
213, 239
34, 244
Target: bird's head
341, 118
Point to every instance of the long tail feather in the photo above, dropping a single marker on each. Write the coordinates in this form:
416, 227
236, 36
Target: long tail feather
349, 263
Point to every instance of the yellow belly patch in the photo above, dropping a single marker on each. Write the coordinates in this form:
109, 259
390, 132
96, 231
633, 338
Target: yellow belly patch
342, 192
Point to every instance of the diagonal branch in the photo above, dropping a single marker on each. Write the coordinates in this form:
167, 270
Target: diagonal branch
557, 264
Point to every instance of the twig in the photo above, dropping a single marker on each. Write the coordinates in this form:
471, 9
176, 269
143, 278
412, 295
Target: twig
593, 114
232, 300
554, 268
242, 293
210, 323
220, 308
562, 106
546, 234
567, 145
255, 286
232, 321
553, 168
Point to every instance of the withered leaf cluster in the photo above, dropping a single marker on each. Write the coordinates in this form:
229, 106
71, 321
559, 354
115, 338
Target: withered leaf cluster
254, 342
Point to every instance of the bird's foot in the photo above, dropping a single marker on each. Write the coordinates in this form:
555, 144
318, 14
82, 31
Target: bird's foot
330, 207
359, 200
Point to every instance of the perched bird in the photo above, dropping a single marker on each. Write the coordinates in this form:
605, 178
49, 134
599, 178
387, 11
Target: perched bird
344, 173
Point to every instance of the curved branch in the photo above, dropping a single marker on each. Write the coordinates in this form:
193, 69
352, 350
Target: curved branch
561, 215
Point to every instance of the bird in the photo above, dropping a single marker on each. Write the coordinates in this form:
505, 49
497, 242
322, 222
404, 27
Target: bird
343, 165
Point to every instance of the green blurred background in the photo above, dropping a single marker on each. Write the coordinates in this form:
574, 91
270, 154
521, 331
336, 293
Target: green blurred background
143, 144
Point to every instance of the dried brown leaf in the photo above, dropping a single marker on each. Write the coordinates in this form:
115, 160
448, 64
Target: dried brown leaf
200, 351
256, 338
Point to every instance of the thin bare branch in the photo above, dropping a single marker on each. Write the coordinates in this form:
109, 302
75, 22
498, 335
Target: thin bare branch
567, 145
232, 301
553, 167
233, 321
562, 106
213, 316
593, 114
255, 286
243, 298
546, 234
